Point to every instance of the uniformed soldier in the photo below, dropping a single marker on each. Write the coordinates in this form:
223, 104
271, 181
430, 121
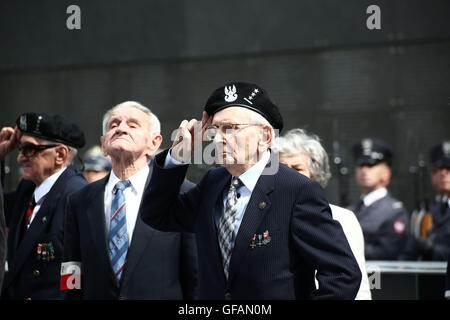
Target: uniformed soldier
383, 218
34, 212
434, 241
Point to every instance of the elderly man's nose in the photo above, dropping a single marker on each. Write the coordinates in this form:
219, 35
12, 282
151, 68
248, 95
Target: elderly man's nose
122, 127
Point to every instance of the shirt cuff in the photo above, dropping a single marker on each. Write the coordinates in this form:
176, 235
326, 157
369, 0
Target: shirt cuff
171, 162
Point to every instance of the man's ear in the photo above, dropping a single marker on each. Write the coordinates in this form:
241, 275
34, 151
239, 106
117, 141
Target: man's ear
102, 143
154, 144
62, 152
266, 138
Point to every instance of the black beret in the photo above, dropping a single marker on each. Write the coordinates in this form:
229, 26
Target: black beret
371, 152
247, 95
440, 155
52, 127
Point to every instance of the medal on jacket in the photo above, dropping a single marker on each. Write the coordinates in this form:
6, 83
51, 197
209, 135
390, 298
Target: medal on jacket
252, 244
39, 251
52, 251
266, 237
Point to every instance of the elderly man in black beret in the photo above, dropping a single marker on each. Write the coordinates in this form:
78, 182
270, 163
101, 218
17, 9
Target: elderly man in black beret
262, 229
34, 212
383, 218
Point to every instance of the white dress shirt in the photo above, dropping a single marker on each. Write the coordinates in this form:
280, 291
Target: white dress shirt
41, 191
133, 196
373, 196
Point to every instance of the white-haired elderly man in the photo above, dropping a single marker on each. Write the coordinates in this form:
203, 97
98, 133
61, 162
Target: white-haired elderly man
109, 253
304, 153
261, 232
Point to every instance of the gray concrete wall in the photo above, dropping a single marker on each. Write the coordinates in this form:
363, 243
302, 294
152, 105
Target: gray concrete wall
327, 72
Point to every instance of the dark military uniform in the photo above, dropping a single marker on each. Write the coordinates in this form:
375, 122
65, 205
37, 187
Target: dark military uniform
440, 232
437, 243
35, 254
384, 225
385, 221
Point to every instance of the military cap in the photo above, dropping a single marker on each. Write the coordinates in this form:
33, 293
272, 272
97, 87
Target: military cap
247, 95
371, 152
52, 127
97, 163
440, 155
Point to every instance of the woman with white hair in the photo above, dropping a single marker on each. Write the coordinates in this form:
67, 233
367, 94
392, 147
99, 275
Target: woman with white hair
304, 153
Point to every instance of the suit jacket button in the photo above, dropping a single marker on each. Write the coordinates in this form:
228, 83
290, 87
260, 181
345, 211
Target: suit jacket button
227, 296
36, 273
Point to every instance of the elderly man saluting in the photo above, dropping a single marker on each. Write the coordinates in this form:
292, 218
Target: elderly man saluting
35, 210
261, 232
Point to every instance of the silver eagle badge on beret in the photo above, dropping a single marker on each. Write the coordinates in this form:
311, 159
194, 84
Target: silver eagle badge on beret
230, 93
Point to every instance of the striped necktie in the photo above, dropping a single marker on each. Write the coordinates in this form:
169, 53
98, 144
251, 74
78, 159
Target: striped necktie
118, 235
226, 224
29, 211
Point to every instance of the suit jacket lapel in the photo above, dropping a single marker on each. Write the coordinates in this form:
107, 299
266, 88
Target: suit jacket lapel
258, 206
141, 237
39, 223
95, 212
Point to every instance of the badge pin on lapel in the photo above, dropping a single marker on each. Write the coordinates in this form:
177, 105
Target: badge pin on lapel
44, 219
262, 205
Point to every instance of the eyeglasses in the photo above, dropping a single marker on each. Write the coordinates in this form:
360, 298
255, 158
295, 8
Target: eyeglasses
226, 129
29, 150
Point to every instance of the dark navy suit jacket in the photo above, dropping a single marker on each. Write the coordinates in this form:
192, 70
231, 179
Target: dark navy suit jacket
160, 265
29, 277
292, 208
2, 235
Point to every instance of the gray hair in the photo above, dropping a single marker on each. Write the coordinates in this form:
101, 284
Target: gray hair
154, 124
71, 155
256, 118
297, 141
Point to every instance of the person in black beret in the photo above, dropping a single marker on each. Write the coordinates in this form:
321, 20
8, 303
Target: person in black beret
47, 144
383, 218
262, 229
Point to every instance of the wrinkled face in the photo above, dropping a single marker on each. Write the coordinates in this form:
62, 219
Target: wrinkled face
440, 179
298, 162
38, 165
237, 139
373, 177
128, 134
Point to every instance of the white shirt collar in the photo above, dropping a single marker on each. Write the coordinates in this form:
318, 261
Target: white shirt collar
45, 186
442, 199
374, 196
250, 177
137, 180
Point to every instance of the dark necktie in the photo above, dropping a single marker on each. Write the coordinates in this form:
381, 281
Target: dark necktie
359, 207
226, 224
29, 212
118, 235
444, 207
